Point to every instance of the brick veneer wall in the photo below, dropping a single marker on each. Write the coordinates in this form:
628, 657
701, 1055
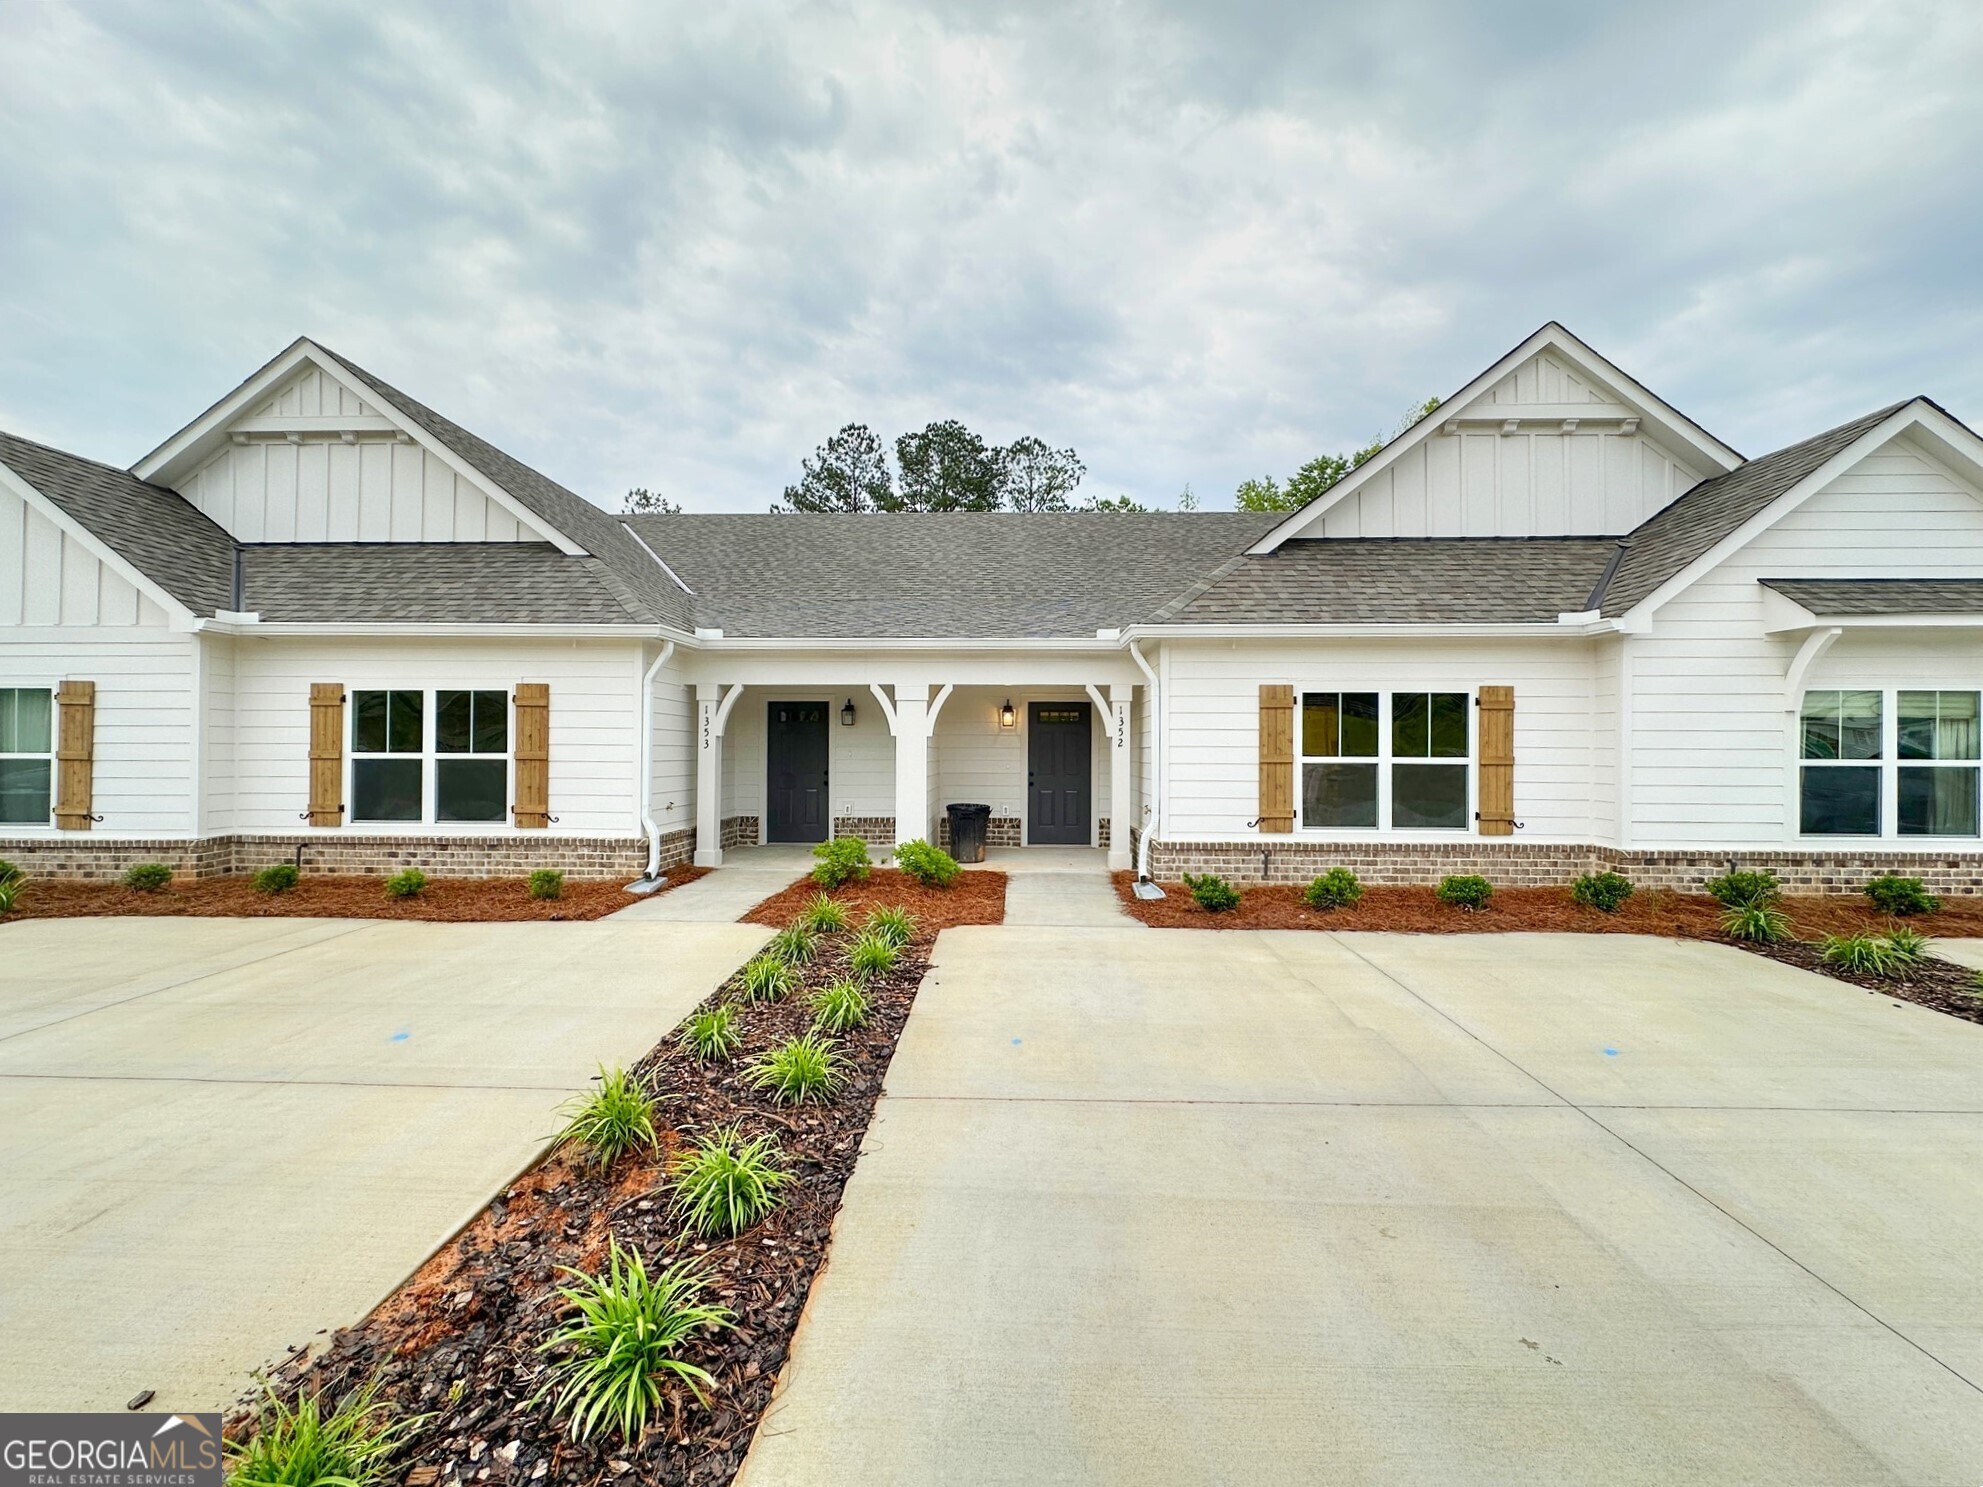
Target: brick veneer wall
453, 857
739, 831
876, 831
1000, 831
1537, 864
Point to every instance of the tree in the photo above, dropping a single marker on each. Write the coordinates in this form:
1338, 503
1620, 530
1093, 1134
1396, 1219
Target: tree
1112, 503
1033, 476
1319, 474
643, 502
946, 467
849, 472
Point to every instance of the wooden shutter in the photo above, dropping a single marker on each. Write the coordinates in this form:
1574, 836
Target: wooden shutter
533, 755
1497, 761
1276, 758
326, 754
75, 754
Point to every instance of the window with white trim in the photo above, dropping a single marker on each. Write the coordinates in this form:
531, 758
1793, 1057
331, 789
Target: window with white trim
27, 755
1386, 761
1899, 762
441, 756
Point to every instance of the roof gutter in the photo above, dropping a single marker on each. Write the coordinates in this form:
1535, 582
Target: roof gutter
1552, 629
644, 764
1153, 692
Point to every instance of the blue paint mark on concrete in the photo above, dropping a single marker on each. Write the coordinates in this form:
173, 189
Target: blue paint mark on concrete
1017, 1041
401, 1036
1611, 1053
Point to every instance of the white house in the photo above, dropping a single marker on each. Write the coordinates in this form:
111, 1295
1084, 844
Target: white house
1556, 625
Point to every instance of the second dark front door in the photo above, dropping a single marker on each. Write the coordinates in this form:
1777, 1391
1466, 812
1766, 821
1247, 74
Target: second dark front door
1058, 759
795, 772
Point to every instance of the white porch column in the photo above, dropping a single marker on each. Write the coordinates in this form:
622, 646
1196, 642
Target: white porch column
1122, 795
912, 762
708, 777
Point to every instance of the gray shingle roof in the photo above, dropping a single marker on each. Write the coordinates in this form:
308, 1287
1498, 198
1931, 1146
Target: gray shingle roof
515, 583
1401, 580
158, 531
647, 591
1680, 532
1868, 596
959, 574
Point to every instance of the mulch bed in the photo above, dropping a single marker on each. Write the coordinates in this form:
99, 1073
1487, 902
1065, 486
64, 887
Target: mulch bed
327, 896
1650, 911
977, 897
458, 1341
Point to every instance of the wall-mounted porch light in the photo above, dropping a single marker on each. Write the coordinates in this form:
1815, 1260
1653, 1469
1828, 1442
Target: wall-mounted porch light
847, 714
1007, 718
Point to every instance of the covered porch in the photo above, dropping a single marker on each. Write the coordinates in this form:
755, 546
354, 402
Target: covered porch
794, 759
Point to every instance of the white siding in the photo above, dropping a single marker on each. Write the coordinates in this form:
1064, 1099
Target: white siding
1212, 720
860, 761
314, 393
324, 490
142, 784
673, 757
1712, 738
47, 577
595, 719
217, 684
976, 760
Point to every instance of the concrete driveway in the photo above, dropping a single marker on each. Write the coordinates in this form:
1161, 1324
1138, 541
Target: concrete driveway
1178, 1207
218, 1136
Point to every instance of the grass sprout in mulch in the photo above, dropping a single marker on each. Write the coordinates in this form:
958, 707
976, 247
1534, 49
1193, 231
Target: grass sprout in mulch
977, 897
1649, 911
335, 896
462, 1342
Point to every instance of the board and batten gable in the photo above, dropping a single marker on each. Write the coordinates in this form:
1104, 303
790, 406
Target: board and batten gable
317, 485
1570, 467
1212, 729
1713, 736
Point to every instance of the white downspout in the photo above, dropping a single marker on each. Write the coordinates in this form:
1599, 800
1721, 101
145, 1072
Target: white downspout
647, 763
1154, 703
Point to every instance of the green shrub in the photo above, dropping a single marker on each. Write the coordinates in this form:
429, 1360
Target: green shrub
148, 877
805, 1068
1761, 924
1213, 893
409, 884
12, 881
724, 1184
278, 877
766, 978
930, 866
619, 1343
612, 1119
547, 882
1893, 894
824, 916
897, 926
713, 1034
842, 860
839, 1006
1467, 891
9, 869
299, 1445
1908, 947
1605, 892
1864, 955
873, 955
794, 945
1338, 888
1740, 889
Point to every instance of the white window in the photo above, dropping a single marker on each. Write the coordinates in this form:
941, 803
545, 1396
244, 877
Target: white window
441, 756
1386, 761
27, 755
1876, 762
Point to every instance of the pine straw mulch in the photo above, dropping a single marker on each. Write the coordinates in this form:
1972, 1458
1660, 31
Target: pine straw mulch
458, 1341
335, 896
977, 897
1649, 911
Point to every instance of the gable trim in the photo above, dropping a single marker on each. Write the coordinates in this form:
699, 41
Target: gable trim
1918, 413
1553, 336
181, 617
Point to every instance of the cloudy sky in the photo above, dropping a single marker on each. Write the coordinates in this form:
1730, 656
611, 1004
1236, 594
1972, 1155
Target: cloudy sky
639, 244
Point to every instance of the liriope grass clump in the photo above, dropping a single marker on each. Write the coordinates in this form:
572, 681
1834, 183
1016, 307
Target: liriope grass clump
712, 1035
839, 1006
301, 1444
823, 916
766, 978
724, 1184
799, 1070
897, 926
611, 1120
1758, 923
873, 955
795, 945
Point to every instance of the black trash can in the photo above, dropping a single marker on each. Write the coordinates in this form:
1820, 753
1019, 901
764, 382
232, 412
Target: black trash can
967, 831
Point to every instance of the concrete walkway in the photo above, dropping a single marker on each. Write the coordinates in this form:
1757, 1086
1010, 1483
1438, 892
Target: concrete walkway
1964, 951
1058, 886
1162, 1206
218, 1136
748, 876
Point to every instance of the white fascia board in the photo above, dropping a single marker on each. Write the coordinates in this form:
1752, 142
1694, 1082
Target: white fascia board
1558, 629
184, 449
181, 617
430, 631
716, 641
1638, 618
1681, 429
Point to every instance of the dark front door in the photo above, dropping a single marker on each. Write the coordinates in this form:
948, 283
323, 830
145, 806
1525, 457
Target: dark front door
795, 772
1058, 758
